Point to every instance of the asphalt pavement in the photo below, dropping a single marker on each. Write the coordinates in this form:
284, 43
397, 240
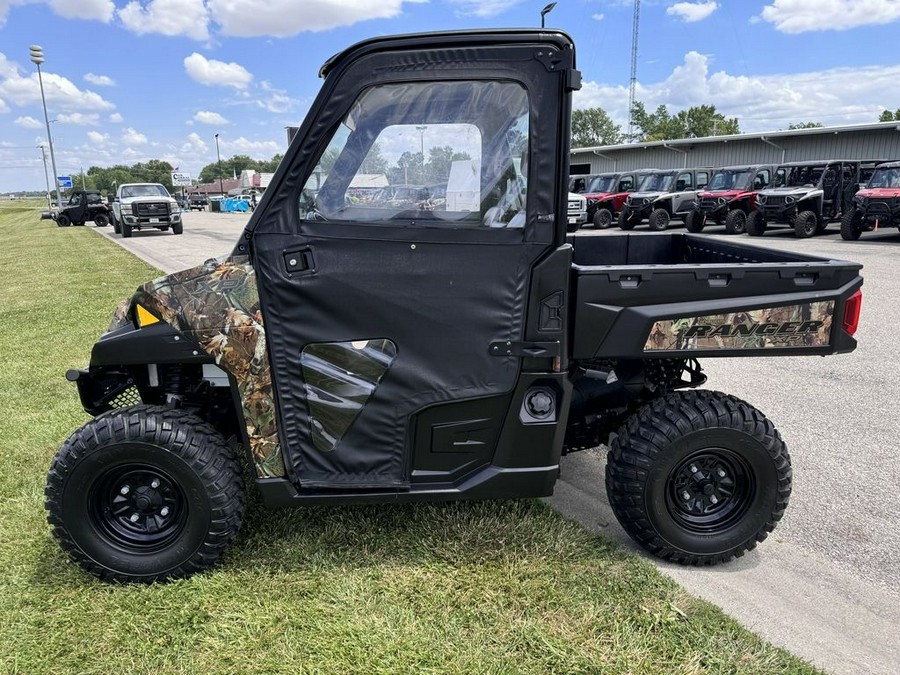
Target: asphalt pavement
826, 584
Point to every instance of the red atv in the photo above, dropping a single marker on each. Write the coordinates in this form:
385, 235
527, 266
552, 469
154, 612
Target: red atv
606, 194
877, 204
729, 198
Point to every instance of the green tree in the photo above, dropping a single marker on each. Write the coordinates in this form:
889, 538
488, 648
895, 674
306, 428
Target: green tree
374, 162
888, 116
694, 122
805, 125
440, 158
408, 169
592, 126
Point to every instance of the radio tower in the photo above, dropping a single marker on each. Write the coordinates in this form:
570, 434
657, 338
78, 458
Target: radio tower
634, 55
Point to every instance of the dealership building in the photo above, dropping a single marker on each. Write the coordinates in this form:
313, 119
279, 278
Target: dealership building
880, 140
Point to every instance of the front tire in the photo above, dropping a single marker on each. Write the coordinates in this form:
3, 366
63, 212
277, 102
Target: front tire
806, 225
756, 224
694, 221
658, 220
851, 225
126, 230
177, 228
101, 220
603, 218
145, 494
736, 222
627, 221
698, 477
62, 220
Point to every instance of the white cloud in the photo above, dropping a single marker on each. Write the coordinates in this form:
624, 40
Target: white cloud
97, 138
3, 107
256, 149
194, 145
115, 118
760, 102
598, 17
690, 12
61, 93
99, 10
282, 18
132, 136
484, 8
800, 16
100, 80
274, 100
211, 72
81, 119
28, 122
167, 17
208, 117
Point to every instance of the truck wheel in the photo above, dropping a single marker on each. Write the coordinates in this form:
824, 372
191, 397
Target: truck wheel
693, 221
177, 228
756, 224
145, 494
736, 222
698, 477
126, 230
806, 224
101, 220
658, 220
62, 220
115, 224
851, 225
603, 218
626, 221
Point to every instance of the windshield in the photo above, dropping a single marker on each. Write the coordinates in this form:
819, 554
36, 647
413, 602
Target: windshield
150, 190
657, 182
602, 184
731, 180
885, 178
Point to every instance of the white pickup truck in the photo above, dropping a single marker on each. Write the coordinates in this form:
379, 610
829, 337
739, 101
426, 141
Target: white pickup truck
144, 205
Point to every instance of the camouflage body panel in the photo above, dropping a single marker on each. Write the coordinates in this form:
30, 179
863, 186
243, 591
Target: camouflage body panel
787, 326
120, 316
217, 306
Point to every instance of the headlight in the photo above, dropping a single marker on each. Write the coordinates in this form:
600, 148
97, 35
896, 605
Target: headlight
722, 200
174, 208
646, 200
790, 199
126, 208
760, 199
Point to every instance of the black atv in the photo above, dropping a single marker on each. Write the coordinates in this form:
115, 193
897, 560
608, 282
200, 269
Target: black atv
359, 351
84, 205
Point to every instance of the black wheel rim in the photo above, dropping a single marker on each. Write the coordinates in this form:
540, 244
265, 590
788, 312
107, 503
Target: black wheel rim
138, 507
710, 490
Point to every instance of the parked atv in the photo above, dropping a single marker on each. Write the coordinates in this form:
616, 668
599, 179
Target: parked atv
606, 194
806, 196
353, 352
876, 205
729, 198
663, 195
84, 205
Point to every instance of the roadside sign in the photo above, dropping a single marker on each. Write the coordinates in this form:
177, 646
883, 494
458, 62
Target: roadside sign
65, 182
180, 179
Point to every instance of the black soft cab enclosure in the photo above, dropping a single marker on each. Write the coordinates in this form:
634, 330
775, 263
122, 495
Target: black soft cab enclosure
437, 338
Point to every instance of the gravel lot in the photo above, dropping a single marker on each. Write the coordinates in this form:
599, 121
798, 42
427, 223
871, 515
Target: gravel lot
825, 585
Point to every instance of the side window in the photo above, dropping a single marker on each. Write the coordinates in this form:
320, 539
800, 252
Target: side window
779, 178
429, 154
684, 182
761, 180
626, 184
702, 179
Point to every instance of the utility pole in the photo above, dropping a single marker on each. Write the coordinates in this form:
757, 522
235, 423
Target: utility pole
219, 158
635, 30
37, 58
46, 177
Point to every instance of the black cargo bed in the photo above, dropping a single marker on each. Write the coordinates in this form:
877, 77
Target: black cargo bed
625, 284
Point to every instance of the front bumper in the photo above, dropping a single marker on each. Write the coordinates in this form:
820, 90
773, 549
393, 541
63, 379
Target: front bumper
141, 221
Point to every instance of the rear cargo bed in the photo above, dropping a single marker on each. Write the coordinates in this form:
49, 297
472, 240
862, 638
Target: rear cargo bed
676, 295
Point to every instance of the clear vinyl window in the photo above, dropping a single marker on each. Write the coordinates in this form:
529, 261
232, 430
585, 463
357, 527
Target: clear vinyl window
426, 154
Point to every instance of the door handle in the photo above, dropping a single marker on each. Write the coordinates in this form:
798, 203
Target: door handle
299, 261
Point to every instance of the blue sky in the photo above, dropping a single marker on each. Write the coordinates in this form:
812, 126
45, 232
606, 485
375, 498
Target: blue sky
130, 81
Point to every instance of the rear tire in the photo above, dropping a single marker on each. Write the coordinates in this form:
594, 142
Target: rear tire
756, 224
806, 225
126, 230
627, 221
658, 220
694, 221
603, 218
698, 477
145, 494
62, 220
736, 222
177, 228
101, 220
851, 225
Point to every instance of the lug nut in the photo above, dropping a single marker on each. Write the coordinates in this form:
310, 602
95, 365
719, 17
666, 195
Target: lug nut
721, 473
134, 517
154, 483
713, 499
693, 469
685, 495
124, 490
164, 511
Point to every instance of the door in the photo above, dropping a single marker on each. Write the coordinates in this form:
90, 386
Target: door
398, 242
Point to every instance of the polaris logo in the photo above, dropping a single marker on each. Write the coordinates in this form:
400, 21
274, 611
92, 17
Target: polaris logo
789, 328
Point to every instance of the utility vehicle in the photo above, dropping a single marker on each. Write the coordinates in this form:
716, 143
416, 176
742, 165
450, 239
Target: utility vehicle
729, 198
663, 195
807, 196
876, 205
361, 353
83, 205
606, 193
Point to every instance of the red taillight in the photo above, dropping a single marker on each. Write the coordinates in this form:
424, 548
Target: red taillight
851, 312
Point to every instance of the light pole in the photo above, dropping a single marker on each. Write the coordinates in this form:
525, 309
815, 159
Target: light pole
37, 58
421, 129
46, 177
546, 11
219, 159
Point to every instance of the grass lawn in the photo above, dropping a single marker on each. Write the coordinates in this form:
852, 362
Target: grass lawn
503, 587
